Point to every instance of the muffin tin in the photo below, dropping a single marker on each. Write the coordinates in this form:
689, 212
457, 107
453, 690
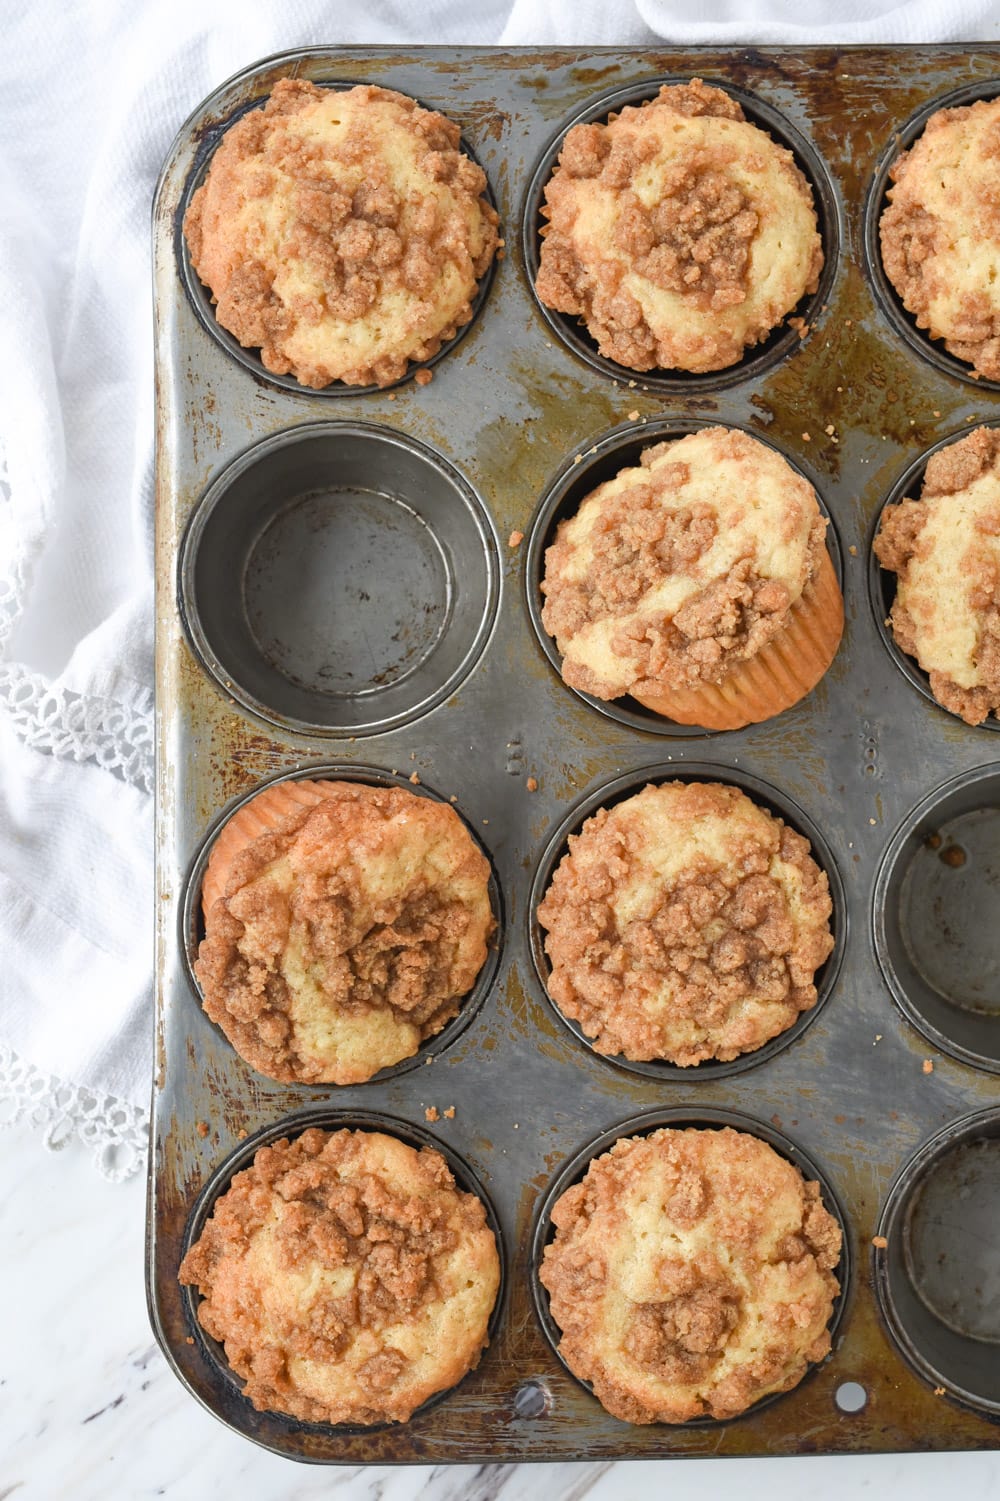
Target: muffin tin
340, 591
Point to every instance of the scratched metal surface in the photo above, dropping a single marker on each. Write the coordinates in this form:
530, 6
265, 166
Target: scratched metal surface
506, 407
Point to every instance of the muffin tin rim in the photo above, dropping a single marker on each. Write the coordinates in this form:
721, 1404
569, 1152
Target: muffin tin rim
783, 340
690, 1117
190, 922
621, 437
772, 800
214, 494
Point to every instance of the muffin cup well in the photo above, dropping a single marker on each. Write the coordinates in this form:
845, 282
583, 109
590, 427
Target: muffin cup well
592, 464
772, 801
203, 303
937, 1278
269, 1425
192, 922
680, 1117
783, 339
887, 298
339, 579
934, 918
882, 581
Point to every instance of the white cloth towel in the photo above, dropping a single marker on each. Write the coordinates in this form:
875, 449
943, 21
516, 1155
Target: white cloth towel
91, 94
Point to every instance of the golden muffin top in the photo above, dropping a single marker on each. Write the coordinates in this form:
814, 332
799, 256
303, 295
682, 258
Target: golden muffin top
685, 923
348, 930
945, 549
941, 232
347, 1276
677, 569
341, 231
678, 231
691, 1275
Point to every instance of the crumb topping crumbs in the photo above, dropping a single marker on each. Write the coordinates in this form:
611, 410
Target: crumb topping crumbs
945, 551
707, 951
638, 208
342, 232
691, 1274
327, 1270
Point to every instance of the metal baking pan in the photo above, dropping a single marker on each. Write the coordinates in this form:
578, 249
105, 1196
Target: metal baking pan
337, 588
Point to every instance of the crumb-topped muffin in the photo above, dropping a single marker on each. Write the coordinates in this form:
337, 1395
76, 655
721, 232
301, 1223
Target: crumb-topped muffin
341, 231
347, 1276
678, 231
941, 232
945, 550
343, 925
685, 923
691, 1275
697, 581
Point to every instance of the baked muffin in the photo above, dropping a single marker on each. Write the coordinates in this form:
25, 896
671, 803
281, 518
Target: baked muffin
341, 231
941, 232
685, 923
698, 582
691, 1275
678, 231
343, 925
347, 1277
945, 550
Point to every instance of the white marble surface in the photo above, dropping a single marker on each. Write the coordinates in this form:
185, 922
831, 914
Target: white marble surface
90, 1411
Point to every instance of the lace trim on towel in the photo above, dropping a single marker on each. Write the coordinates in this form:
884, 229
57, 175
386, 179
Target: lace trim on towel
117, 736
116, 1132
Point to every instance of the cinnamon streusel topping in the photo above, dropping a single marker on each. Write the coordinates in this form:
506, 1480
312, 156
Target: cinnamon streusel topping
347, 1277
691, 1275
685, 923
945, 549
342, 232
678, 231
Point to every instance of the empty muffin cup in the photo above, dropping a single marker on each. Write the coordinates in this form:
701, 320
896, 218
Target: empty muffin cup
593, 464
888, 299
934, 915
339, 579
784, 338
766, 797
937, 1277
227, 1387
682, 1117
